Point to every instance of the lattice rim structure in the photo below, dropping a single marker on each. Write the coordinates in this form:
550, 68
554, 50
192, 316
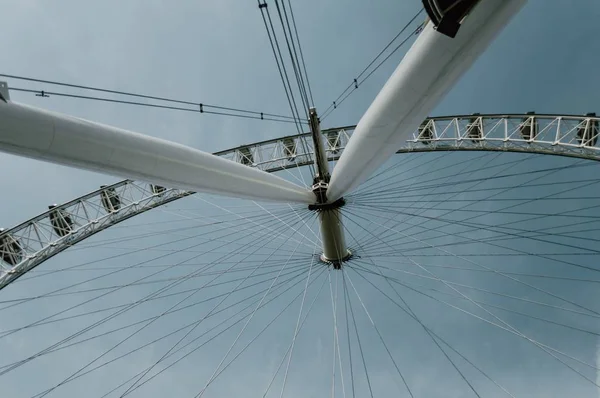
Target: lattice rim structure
34, 241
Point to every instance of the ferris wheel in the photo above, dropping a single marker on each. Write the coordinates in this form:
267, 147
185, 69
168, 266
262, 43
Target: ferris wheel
355, 261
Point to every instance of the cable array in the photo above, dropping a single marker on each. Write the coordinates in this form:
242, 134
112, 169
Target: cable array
289, 29
178, 105
357, 82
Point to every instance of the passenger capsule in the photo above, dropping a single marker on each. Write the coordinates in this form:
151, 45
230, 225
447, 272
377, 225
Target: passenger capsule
10, 249
246, 156
529, 127
333, 141
425, 132
110, 199
289, 148
475, 129
157, 189
61, 221
587, 133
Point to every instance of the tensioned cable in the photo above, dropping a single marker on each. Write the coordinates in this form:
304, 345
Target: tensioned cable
433, 335
301, 53
411, 313
289, 40
512, 329
279, 61
103, 320
199, 107
356, 83
197, 104
191, 324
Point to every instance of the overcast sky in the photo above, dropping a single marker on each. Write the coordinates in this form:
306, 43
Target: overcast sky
217, 52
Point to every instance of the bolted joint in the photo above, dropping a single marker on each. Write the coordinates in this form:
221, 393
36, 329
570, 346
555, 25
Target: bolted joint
320, 191
327, 206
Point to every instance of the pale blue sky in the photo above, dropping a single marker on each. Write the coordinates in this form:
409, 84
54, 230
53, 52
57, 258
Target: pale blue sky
217, 52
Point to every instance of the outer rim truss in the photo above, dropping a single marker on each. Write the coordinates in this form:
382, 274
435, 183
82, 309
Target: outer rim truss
34, 241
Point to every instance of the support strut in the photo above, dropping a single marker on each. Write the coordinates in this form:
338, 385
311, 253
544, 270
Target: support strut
330, 218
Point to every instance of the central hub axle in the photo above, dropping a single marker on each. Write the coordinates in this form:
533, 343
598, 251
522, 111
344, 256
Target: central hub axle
335, 251
330, 218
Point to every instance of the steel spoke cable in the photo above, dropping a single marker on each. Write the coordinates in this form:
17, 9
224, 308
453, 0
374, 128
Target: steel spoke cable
333, 340
546, 197
141, 267
268, 325
509, 277
133, 251
489, 241
374, 325
435, 336
336, 340
391, 196
348, 336
490, 228
507, 327
529, 316
422, 184
381, 178
89, 327
378, 333
408, 311
239, 216
198, 347
189, 325
89, 290
467, 166
317, 237
411, 313
136, 95
388, 210
129, 389
112, 290
312, 101
542, 346
170, 309
298, 270
117, 271
279, 61
289, 226
411, 187
470, 287
252, 221
513, 330
296, 329
292, 53
360, 349
285, 355
212, 377
352, 199
198, 108
355, 82
450, 210
470, 169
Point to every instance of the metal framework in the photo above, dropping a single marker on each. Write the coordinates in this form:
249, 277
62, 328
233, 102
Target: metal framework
29, 244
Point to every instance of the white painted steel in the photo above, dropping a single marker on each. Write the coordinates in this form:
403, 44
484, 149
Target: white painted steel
428, 71
49, 136
556, 135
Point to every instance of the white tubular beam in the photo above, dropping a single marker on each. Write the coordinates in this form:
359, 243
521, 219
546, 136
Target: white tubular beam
428, 71
43, 135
